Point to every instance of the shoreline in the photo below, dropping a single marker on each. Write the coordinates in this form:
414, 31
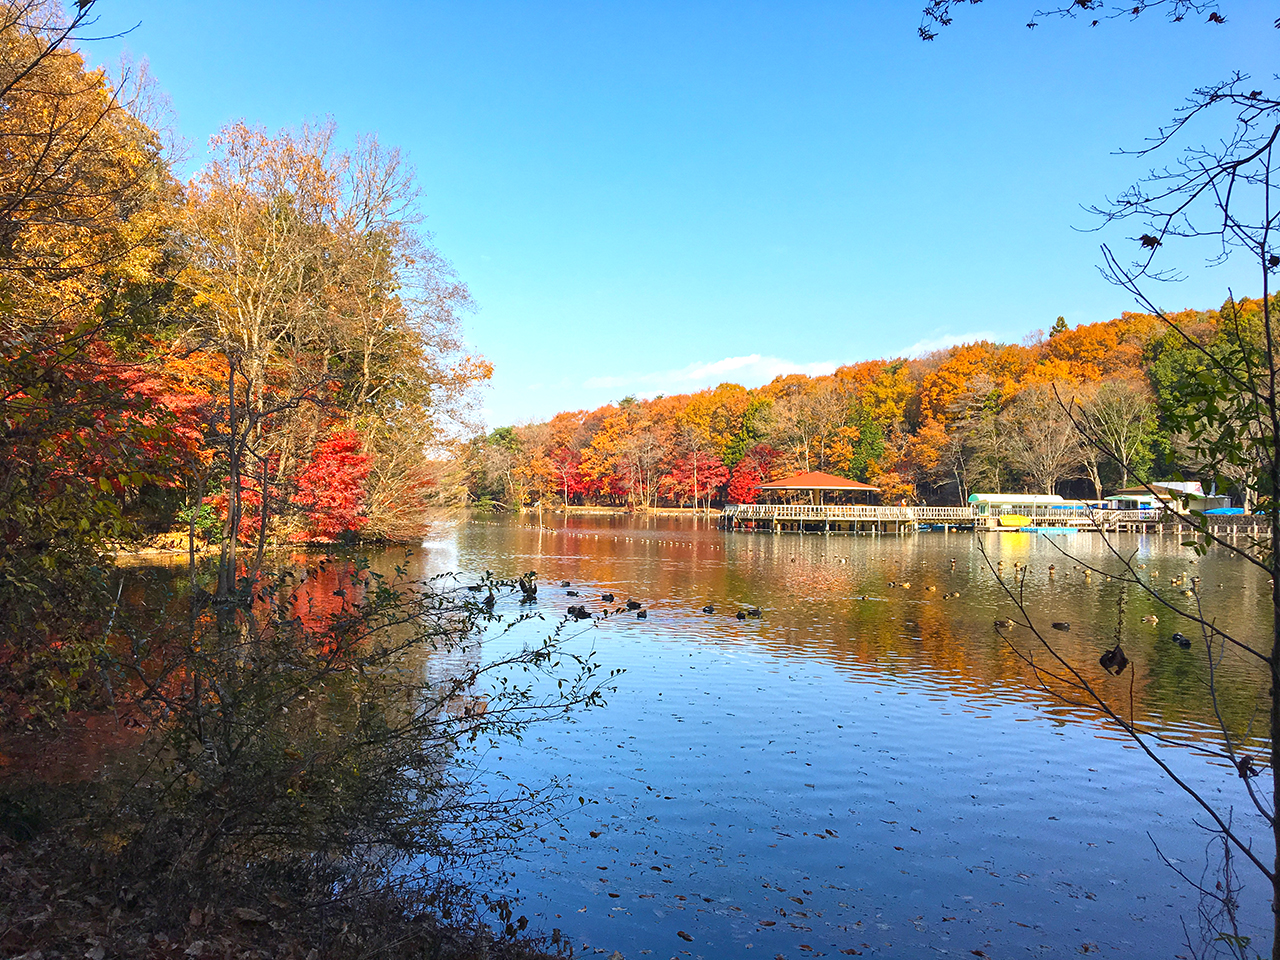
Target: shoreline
625, 512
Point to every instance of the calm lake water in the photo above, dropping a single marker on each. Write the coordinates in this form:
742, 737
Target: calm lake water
867, 767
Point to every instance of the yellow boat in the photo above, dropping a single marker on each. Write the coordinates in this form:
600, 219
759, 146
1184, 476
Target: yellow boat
1015, 520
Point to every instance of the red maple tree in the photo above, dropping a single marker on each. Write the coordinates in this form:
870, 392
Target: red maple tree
331, 489
749, 472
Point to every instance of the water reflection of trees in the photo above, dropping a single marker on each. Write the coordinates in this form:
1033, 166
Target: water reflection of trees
831, 599
336, 710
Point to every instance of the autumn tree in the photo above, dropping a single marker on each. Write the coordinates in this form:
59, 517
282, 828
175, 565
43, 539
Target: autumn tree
1045, 444
645, 452
753, 469
739, 452
943, 390
330, 307
604, 460
731, 407
966, 444
804, 418
858, 446
405, 380
567, 464
331, 489
85, 196
84, 184
568, 435
1122, 415
693, 434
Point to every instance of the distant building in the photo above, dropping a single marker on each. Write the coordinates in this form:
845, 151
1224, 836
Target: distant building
1178, 496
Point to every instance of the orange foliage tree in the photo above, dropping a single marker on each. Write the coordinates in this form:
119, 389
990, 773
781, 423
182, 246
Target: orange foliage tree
970, 417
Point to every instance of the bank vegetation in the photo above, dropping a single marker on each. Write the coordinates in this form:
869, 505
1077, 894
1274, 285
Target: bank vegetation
258, 755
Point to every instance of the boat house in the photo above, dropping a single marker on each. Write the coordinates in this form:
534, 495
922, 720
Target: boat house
1176, 496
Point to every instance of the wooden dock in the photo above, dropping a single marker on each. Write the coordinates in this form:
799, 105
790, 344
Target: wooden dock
808, 518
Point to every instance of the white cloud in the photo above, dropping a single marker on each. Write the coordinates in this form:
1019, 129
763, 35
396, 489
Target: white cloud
750, 371
921, 347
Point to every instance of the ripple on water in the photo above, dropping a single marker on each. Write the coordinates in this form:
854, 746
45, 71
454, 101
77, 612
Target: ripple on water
844, 773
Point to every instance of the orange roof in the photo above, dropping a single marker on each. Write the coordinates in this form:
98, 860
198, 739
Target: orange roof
815, 481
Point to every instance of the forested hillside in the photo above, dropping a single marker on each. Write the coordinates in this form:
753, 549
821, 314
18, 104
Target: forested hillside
980, 416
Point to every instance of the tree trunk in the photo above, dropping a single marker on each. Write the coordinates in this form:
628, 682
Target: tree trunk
1095, 478
231, 532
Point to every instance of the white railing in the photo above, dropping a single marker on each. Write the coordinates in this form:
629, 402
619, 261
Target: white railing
1039, 514
953, 514
805, 511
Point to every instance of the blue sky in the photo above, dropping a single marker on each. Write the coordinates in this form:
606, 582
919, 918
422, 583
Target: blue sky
655, 197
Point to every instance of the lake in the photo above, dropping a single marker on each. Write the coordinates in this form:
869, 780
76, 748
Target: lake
868, 767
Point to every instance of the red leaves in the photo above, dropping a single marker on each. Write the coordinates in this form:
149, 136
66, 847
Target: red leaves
751, 471
75, 414
567, 464
693, 477
331, 490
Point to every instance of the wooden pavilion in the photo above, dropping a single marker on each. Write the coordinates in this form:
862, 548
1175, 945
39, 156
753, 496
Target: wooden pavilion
822, 488
814, 502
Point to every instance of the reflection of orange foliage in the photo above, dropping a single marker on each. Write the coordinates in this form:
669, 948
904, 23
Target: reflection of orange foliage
813, 610
84, 744
327, 596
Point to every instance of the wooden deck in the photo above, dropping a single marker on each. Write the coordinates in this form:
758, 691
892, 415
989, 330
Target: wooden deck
806, 518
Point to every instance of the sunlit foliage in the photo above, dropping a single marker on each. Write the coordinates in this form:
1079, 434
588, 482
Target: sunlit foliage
977, 416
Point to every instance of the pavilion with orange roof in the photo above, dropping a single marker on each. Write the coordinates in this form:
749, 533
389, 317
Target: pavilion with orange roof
817, 502
821, 487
